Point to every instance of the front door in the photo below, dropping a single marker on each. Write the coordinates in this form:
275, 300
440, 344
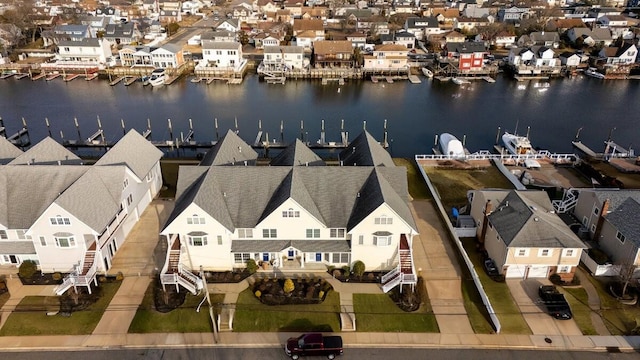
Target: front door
265, 256
291, 254
318, 257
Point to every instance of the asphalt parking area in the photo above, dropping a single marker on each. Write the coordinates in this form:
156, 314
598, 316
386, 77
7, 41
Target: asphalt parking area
525, 293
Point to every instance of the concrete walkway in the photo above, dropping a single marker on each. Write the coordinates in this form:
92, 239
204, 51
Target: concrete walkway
17, 292
436, 262
593, 302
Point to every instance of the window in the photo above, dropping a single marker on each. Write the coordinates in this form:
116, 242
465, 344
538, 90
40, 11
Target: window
245, 233
564, 269
569, 252
361, 240
43, 241
219, 240
620, 236
340, 258
383, 220
195, 220
593, 228
269, 233
544, 252
125, 184
65, 241
336, 233
313, 233
59, 220
129, 199
241, 258
382, 240
3, 235
596, 211
22, 236
522, 252
197, 238
291, 213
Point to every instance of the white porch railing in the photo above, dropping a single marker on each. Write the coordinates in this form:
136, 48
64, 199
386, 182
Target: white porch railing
66, 284
184, 278
568, 202
112, 227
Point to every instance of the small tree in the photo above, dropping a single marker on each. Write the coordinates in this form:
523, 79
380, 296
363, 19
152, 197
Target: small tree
358, 268
252, 267
288, 286
27, 269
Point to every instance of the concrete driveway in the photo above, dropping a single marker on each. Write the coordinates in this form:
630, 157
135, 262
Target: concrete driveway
525, 293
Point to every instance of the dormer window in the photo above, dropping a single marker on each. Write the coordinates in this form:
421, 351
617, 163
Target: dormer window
290, 213
384, 220
195, 220
59, 220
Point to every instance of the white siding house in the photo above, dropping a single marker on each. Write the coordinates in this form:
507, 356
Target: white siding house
222, 54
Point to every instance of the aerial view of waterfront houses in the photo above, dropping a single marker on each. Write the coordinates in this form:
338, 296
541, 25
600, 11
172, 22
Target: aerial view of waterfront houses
454, 242
333, 41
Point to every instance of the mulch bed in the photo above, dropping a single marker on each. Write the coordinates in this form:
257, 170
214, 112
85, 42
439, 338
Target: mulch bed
306, 291
226, 276
371, 277
42, 279
71, 302
166, 301
3, 287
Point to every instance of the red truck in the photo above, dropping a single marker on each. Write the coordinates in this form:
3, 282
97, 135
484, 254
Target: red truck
314, 344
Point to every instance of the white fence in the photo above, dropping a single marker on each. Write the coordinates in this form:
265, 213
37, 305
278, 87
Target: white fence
599, 270
463, 253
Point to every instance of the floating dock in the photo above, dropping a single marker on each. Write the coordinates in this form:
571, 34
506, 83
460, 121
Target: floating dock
414, 79
21, 76
91, 76
130, 80
116, 80
38, 77
70, 77
52, 76
6, 76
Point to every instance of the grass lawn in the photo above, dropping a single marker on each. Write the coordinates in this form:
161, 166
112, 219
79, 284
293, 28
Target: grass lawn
184, 319
452, 185
30, 316
499, 295
3, 298
252, 315
378, 313
476, 311
417, 187
620, 319
579, 302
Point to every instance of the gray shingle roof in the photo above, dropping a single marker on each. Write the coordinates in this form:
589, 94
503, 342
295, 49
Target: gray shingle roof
297, 154
625, 219
47, 152
26, 191
17, 247
230, 150
239, 197
616, 197
95, 197
364, 150
221, 45
526, 219
134, 151
8, 151
279, 245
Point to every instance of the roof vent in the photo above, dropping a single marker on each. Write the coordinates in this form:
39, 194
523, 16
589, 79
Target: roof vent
239, 148
536, 219
358, 195
224, 194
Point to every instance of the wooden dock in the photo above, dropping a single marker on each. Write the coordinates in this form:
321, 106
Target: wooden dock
584, 149
117, 80
276, 80
374, 79
70, 77
91, 76
235, 81
6, 76
21, 76
389, 79
489, 79
38, 77
130, 80
52, 76
414, 79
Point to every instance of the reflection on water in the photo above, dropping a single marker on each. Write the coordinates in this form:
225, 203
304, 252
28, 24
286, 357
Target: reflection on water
415, 112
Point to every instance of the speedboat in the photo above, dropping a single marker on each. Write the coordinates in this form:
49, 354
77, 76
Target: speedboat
517, 145
157, 77
459, 81
593, 72
428, 73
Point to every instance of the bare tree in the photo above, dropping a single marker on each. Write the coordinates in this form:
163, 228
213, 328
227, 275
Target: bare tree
19, 14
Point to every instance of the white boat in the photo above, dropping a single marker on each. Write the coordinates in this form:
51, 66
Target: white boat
517, 145
428, 73
542, 89
593, 72
451, 146
157, 77
459, 81
522, 87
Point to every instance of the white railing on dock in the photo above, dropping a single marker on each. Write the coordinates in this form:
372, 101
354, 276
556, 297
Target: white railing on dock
485, 155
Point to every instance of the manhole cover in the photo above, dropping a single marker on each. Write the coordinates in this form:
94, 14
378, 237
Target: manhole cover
547, 340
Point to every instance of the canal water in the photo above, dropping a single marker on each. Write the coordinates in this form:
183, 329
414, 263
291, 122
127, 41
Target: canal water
415, 113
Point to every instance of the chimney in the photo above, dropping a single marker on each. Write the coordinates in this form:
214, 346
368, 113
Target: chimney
603, 213
488, 207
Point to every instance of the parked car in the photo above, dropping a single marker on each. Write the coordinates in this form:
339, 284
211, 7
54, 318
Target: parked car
556, 304
490, 267
314, 344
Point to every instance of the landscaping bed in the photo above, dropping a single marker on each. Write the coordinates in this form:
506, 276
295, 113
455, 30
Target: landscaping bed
345, 275
291, 291
226, 276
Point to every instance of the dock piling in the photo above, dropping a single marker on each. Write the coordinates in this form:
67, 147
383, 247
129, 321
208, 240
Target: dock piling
498, 135
236, 124
147, 133
322, 134
124, 130
170, 129
75, 120
282, 131
385, 139
215, 125
46, 122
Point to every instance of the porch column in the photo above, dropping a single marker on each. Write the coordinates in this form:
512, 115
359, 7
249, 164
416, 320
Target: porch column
302, 259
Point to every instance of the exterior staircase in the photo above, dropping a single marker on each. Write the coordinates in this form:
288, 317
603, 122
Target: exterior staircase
82, 277
405, 272
174, 274
568, 202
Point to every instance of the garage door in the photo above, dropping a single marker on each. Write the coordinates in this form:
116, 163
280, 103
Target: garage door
515, 271
538, 272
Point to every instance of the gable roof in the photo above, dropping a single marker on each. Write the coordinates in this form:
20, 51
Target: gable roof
527, 219
230, 150
467, 47
47, 151
615, 196
364, 150
8, 151
297, 154
323, 47
146, 154
625, 219
308, 24
422, 22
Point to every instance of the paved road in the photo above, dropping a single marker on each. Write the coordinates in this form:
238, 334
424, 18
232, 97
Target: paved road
277, 353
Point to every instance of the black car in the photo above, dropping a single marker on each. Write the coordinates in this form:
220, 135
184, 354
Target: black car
490, 267
555, 302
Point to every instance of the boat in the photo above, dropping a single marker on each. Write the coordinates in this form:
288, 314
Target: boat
428, 73
542, 89
459, 81
522, 87
157, 77
451, 146
593, 72
517, 145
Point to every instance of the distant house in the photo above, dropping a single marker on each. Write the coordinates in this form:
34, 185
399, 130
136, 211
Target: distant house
399, 38
562, 25
504, 39
453, 37
610, 217
170, 11
92, 52
68, 33
333, 54
167, 56
126, 33
387, 57
283, 57
222, 54
216, 36
358, 39
619, 56
422, 27
620, 26
307, 32
470, 24
230, 25
540, 38
523, 235
570, 60
468, 55
513, 14
585, 36
136, 56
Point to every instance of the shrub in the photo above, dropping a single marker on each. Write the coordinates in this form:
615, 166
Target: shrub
258, 294
288, 286
556, 279
330, 269
56, 276
346, 270
252, 267
119, 276
358, 268
27, 269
